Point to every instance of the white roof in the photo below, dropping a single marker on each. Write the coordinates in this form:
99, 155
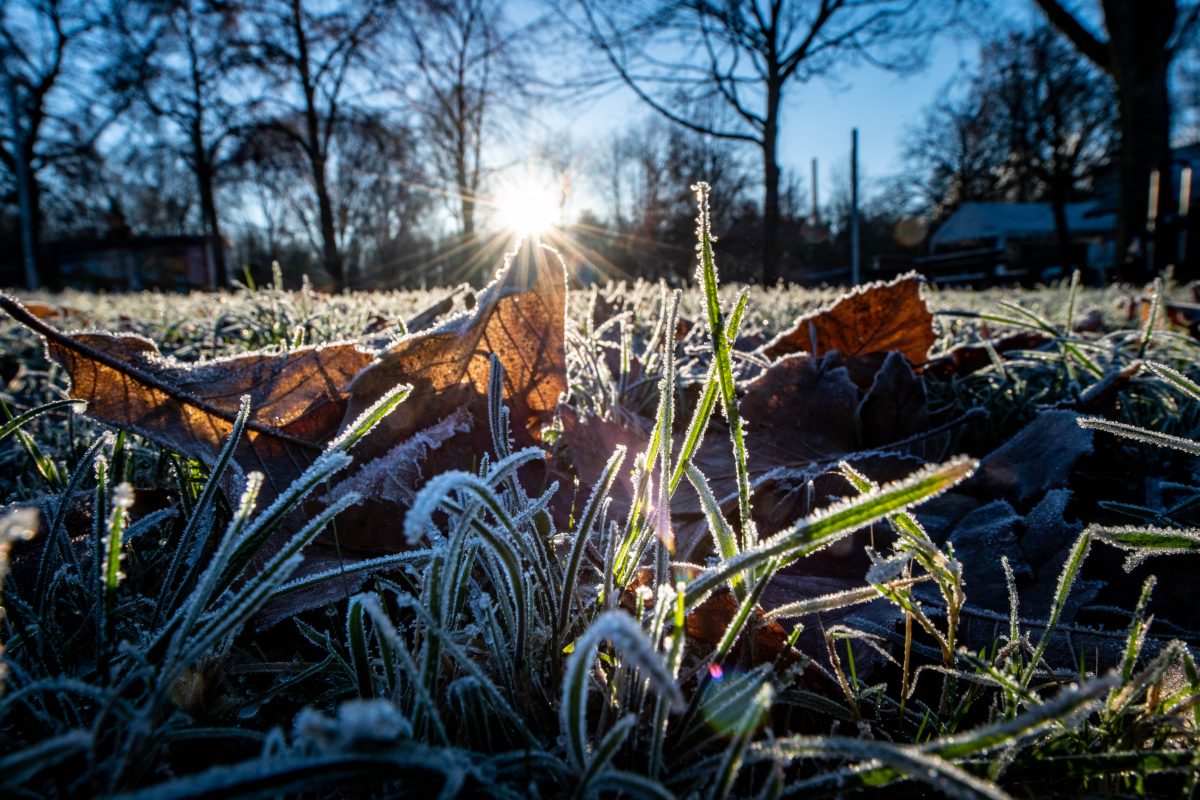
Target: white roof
975, 221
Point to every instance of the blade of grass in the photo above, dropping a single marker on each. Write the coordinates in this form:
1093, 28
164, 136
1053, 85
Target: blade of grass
827, 526
723, 362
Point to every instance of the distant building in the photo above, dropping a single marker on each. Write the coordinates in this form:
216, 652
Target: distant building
1002, 242
994, 242
133, 263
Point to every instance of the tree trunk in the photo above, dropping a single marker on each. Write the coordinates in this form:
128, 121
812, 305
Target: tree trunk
208, 209
1141, 59
331, 258
202, 165
467, 198
770, 148
26, 192
1145, 121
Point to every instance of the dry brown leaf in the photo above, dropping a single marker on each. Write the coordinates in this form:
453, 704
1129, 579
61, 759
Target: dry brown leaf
1182, 315
521, 318
873, 319
300, 400
591, 440
799, 411
396, 476
800, 418
44, 311
968, 358
428, 315
895, 408
297, 398
1092, 321
706, 623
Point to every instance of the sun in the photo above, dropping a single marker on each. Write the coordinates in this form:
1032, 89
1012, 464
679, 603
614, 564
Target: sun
529, 208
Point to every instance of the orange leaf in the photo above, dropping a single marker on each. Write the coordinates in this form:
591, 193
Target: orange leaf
449, 366
521, 317
873, 319
297, 398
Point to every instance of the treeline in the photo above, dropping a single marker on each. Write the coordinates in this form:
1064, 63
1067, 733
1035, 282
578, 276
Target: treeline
359, 141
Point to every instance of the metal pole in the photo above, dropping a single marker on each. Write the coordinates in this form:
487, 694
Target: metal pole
854, 248
816, 212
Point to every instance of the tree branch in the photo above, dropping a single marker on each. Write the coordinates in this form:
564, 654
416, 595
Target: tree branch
1086, 42
628, 79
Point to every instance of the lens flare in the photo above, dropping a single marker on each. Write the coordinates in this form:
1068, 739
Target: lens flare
528, 208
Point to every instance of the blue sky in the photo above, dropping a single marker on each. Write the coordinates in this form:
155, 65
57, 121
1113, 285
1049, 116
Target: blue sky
818, 116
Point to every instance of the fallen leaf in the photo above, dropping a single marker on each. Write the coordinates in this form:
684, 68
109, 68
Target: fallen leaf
591, 439
520, 317
873, 319
1182, 314
298, 398
1091, 322
706, 623
800, 420
799, 411
1101, 397
396, 476
1046, 539
46, 311
968, 358
980, 539
449, 366
604, 305
428, 315
1039, 458
896, 406
302, 399
785, 495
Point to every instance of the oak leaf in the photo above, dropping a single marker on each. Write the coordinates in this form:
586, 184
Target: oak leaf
872, 320
521, 319
895, 408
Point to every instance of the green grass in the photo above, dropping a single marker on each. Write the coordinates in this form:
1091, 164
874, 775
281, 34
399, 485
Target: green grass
498, 658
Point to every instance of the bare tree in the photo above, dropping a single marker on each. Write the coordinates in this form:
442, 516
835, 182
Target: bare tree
644, 173
950, 153
1034, 125
746, 54
380, 201
470, 72
1055, 120
49, 111
157, 187
375, 190
185, 73
309, 52
1140, 40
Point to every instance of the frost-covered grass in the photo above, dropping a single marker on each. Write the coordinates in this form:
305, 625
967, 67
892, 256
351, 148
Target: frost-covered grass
500, 656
